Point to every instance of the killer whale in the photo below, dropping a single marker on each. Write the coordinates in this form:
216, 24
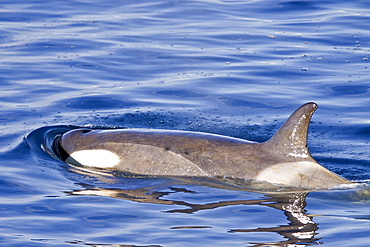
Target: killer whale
283, 159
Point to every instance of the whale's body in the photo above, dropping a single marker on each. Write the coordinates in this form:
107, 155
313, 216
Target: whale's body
284, 159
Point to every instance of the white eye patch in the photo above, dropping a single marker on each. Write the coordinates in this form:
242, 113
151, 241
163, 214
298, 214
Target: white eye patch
96, 158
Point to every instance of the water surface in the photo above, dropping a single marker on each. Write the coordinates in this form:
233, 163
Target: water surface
237, 68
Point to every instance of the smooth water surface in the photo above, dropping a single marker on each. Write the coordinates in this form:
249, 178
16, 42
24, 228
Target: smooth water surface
237, 68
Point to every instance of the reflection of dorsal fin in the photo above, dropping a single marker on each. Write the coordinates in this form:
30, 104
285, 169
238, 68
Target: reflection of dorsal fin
291, 138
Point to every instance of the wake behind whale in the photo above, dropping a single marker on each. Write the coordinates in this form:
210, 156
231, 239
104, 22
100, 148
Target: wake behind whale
284, 159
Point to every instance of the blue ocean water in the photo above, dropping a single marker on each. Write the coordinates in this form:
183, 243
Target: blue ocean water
237, 68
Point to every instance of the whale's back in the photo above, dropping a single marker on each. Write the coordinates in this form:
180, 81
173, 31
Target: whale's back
284, 159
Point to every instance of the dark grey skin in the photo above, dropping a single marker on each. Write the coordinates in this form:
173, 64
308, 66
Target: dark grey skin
284, 159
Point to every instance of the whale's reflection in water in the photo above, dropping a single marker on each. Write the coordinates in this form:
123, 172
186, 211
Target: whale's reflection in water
300, 229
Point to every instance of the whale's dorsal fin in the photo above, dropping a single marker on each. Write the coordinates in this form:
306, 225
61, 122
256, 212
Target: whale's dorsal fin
291, 138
